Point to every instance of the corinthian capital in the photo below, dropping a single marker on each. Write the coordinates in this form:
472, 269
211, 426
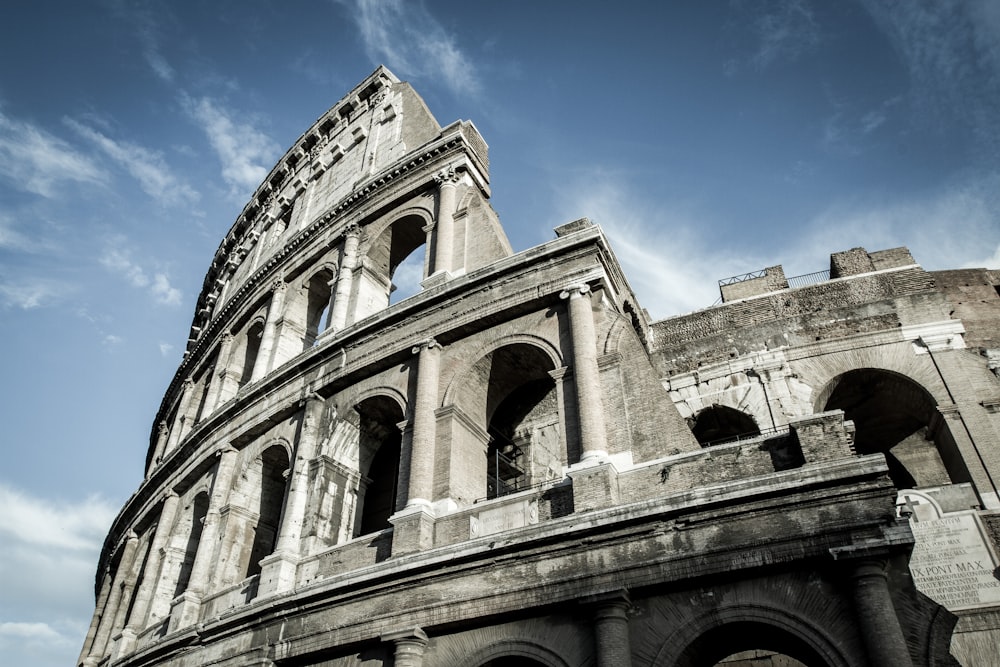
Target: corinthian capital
447, 176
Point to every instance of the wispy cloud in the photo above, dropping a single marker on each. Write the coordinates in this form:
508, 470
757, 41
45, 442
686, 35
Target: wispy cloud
50, 548
782, 30
146, 166
952, 53
119, 260
410, 40
30, 293
246, 152
34, 160
165, 348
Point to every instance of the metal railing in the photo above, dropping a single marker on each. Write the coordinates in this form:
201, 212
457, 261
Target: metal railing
743, 277
809, 278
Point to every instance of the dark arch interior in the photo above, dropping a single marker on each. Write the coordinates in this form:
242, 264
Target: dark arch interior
317, 306
199, 509
721, 646
251, 350
380, 451
894, 416
720, 423
512, 661
395, 245
519, 387
274, 464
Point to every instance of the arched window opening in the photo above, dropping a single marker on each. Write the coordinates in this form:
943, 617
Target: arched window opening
380, 443
407, 276
717, 424
385, 256
251, 348
317, 306
750, 644
270, 469
195, 520
896, 417
522, 418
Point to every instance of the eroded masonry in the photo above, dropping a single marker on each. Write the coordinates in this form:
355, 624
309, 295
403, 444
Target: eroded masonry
515, 466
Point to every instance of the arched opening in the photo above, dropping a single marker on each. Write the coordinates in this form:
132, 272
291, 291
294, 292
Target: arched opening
512, 661
379, 451
194, 520
268, 470
896, 417
318, 295
385, 257
720, 423
251, 348
750, 644
521, 419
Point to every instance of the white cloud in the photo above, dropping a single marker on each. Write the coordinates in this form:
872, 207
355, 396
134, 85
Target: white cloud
783, 30
48, 558
28, 294
165, 348
119, 260
34, 160
246, 153
407, 37
146, 166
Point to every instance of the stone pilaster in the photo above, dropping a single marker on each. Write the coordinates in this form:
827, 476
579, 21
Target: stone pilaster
409, 646
177, 430
151, 577
278, 569
611, 640
115, 598
444, 244
162, 434
877, 620
586, 375
217, 379
421, 478
345, 279
184, 611
262, 365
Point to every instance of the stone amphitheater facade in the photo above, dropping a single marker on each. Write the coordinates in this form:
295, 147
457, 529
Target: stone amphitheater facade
515, 466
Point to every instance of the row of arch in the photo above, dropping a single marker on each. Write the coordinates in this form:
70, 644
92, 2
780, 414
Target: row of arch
892, 415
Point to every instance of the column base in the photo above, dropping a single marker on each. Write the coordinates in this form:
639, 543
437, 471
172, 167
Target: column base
595, 485
412, 530
277, 573
184, 611
123, 644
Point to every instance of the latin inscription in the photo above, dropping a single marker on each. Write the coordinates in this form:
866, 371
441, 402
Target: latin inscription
506, 517
951, 563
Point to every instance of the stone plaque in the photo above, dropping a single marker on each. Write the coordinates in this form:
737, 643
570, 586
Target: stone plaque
952, 562
505, 517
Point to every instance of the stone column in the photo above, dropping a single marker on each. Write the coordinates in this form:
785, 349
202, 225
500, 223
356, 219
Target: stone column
262, 365
447, 181
229, 380
876, 616
218, 378
177, 431
420, 487
278, 569
151, 576
586, 375
185, 608
124, 574
409, 647
95, 621
345, 279
162, 433
611, 632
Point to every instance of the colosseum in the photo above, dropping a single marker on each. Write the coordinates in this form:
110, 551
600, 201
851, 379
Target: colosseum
514, 465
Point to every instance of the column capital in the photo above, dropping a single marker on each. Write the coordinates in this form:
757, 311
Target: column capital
225, 450
447, 176
162, 428
574, 291
353, 229
430, 344
279, 285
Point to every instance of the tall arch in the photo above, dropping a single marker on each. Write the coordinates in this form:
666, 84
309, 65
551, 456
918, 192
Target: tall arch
895, 416
379, 447
318, 304
385, 252
750, 643
510, 394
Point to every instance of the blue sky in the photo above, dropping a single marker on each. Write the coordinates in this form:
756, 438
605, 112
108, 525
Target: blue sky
707, 138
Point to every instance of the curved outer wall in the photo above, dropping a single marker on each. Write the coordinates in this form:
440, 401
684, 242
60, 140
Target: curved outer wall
502, 466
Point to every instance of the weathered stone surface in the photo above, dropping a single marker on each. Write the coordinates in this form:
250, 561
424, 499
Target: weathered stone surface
509, 465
